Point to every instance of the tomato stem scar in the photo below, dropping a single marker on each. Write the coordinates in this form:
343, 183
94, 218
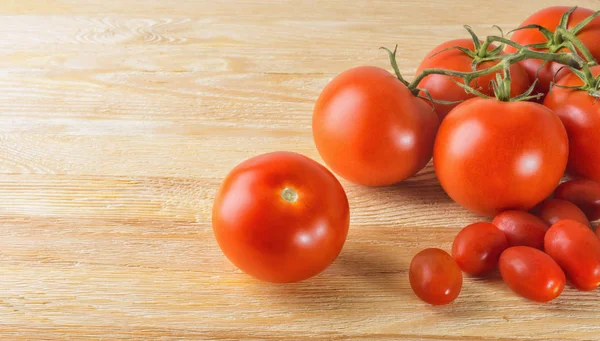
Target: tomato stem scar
289, 195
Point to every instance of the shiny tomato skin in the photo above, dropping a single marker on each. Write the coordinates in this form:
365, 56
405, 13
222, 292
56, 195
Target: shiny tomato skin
522, 228
477, 248
531, 273
493, 156
550, 18
371, 130
580, 113
272, 238
583, 193
445, 88
576, 249
435, 277
553, 210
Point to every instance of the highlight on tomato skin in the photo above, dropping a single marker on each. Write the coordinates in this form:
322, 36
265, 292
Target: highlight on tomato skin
435, 277
553, 210
522, 228
583, 193
478, 247
281, 217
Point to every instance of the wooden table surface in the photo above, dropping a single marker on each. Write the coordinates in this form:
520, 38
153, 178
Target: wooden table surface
119, 119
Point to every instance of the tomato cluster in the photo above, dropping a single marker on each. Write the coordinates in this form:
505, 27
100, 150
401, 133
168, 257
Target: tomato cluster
503, 120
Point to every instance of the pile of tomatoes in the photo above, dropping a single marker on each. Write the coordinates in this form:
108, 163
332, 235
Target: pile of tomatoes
501, 141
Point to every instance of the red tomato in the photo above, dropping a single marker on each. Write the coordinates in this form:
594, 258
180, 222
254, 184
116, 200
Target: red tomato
370, 129
434, 277
445, 88
583, 193
550, 19
577, 250
477, 248
598, 231
580, 113
531, 273
281, 217
553, 210
522, 228
490, 162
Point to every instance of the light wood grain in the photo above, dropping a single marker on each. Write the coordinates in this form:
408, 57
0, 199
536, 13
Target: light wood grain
118, 120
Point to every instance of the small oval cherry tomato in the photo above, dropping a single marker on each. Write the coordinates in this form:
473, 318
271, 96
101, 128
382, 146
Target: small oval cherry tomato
434, 277
531, 273
583, 193
477, 248
577, 250
553, 210
281, 217
371, 130
522, 228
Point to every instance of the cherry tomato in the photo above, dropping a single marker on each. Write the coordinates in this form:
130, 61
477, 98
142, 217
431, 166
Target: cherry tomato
434, 277
490, 163
522, 228
281, 217
553, 210
580, 113
445, 88
531, 273
477, 248
550, 19
598, 231
577, 250
371, 130
583, 193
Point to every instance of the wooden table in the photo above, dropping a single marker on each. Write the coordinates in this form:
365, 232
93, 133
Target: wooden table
119, 119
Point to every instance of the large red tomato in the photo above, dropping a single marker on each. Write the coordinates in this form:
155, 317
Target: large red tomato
445, 88
281, 217
580, 113
370, 129
492, 156
550, 18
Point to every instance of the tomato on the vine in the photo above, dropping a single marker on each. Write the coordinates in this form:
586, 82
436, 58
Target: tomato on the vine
371, 129
477, 248
522, 228
435, 277
491, 156
281, 217
583, 193
553, 210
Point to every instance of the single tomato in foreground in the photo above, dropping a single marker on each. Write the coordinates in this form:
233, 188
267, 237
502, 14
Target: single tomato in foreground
531, 273
435, 277
583, 193
492, 156
477, 248
371, 129
553, 210
281, 217
522, 228
576, 249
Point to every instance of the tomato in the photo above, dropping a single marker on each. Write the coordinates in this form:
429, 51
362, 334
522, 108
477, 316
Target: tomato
553, 210
445, 88
434, 277
281, 217
531, 273
522, 228
577, 250
371, 130
580, 113
583, 193
492, 156
477, 248
550, 19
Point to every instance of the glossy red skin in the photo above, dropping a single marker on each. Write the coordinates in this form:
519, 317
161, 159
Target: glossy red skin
493, 156
576, 249
270, 238
583, 193
598, 231
435, 277
580, 113
553, 210
550, 18
477, 248
371, 130
522, 228
531, 273
444, 88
